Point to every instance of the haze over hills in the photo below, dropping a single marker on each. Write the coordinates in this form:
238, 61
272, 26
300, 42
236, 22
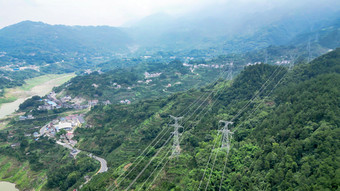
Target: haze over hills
28, 36
232, 29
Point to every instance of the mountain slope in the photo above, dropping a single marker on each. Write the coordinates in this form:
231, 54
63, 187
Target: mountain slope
286, 139
31, 36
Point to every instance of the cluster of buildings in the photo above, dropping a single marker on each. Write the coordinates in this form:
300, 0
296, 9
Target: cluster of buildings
116, 86
2, 54
51, 102
282, 62
206, 65
125, 101
69, 124
254, 63
17, 67
152, 75
23, 117
146, 81
196, 66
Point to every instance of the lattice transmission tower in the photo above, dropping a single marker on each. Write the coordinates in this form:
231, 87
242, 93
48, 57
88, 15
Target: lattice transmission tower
176, 149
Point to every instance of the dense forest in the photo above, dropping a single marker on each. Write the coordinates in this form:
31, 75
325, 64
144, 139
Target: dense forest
287, 138
197, 95
285, 133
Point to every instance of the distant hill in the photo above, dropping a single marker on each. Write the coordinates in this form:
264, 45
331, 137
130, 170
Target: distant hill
222, 31
230, 30
28, 37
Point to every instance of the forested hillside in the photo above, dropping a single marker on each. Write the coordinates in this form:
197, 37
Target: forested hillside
29, 49
285, 134
28, 36
170, 95
146, 80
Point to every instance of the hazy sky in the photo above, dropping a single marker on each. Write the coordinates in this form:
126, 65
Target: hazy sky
111, 12
92, 12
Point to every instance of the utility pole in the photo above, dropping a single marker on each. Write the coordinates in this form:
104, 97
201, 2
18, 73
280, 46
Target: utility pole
308, 47
292, 61
231, 71
226, 135
291, 65
176, 150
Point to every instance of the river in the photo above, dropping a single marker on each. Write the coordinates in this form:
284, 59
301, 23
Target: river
40, 89
8, 108
7, 186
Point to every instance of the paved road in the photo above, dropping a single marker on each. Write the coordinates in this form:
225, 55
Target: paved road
74, 152
42, 130
103, 164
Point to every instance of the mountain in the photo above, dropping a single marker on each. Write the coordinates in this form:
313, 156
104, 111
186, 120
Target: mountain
153, 102
321, 36
285, 136
285, 139
232, 29
223, 29
28, 36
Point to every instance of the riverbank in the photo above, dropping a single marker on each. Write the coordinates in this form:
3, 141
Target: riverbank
19, 173
36, 86
7, 186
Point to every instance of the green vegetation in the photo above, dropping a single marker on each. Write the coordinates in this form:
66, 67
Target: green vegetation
7, 100
287, 139
131, 84
68, 175
38, 85
13, 79
31, 103
20, 173
50, 166
32, 82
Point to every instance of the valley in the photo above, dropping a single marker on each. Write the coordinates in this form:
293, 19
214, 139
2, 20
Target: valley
36, 86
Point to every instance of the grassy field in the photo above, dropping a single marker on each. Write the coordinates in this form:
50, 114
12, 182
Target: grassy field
61, 78
7, 99
35, 86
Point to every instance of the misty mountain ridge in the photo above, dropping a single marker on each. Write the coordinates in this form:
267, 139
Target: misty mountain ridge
29, 35
226, 30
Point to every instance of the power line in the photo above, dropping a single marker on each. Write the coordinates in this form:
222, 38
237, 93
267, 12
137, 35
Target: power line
308, 49
211, 105
225, 144
148, 164
221, 75
290, 68
228, 133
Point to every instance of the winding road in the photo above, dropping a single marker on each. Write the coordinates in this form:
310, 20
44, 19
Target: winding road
103, 164
74, 152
